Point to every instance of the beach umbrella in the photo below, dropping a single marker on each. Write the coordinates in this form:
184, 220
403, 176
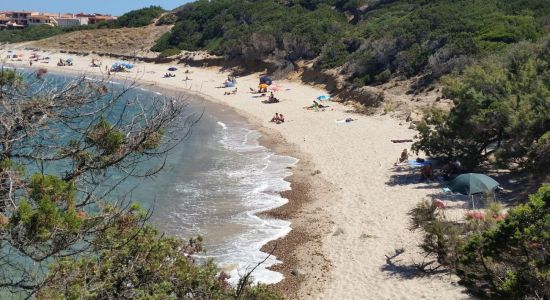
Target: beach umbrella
471, 184
323, 98
266, 79
172, 69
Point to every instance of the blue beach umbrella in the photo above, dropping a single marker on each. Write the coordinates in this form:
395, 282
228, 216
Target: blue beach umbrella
172, 69
323, 98
266, 79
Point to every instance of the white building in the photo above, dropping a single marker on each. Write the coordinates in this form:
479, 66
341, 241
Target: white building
41, 20
71, 21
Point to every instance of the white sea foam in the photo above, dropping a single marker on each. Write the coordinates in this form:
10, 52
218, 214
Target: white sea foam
222, 124
264, 177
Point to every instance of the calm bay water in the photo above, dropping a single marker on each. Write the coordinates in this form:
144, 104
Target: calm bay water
213, 185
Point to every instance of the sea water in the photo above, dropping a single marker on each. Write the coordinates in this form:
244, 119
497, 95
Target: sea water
214, 184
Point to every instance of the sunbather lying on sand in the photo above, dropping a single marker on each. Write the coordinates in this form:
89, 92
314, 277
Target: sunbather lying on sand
346, 120
316, 106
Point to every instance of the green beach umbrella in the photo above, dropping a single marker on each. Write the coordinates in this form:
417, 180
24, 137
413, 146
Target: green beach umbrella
472, 183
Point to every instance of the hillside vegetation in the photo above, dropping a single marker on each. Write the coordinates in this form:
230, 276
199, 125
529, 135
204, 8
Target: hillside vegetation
367, 41
491, 58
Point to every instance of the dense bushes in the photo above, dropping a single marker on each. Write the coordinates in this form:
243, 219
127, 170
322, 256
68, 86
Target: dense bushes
139, 17
501, 112
500, 256
169, 52
366, 38
167, 19
31, 33
134, 261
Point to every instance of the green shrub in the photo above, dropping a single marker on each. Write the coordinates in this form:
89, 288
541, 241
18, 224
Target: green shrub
383, 77
501, 109
497, 256
406, 37
31, 33
140, 17
167, 19
169, 52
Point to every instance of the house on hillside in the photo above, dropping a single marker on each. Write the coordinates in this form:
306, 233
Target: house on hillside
41, 20
22, 19
71, 20
95, 18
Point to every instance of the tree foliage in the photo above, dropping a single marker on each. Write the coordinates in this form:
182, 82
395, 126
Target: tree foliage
132, 261
365, 38
31, 33
65, 148
512, 260
140, 17
501, 110
497, 256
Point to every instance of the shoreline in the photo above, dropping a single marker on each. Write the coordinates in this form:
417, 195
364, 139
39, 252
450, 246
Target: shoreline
289, 248
348, 205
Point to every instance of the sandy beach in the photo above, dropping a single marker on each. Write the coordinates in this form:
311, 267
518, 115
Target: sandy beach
348, 203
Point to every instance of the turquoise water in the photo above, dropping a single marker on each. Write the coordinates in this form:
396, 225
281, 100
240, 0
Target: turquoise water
213, 184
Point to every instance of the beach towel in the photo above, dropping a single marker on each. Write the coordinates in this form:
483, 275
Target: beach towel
416, 164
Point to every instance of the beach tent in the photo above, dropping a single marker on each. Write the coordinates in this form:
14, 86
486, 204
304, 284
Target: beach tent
266, 79
123, 64
323, 98
172, 69
471, 184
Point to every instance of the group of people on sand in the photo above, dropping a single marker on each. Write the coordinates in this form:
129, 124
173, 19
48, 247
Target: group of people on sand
446, 172
95, 64
168, 75
278, 118
62, 63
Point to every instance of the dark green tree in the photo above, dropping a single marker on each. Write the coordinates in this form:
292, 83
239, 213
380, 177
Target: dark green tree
501, 111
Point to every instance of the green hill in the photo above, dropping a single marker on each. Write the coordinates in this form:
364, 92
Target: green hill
368, 41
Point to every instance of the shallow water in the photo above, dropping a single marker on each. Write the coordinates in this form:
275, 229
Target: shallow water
213, 184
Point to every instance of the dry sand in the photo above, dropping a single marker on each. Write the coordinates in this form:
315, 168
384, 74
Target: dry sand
349, 203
